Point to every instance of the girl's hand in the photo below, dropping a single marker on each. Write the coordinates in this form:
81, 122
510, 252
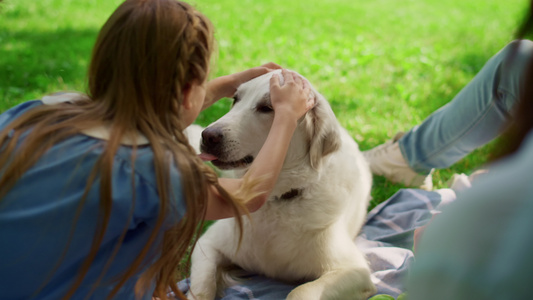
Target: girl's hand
241, 77
225, 86
293, 98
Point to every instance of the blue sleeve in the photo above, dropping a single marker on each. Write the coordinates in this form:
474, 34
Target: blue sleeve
14, 112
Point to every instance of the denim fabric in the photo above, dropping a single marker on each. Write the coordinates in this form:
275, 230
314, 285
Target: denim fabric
474, 117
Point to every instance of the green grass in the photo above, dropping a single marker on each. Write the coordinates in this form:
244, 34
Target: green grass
384, 65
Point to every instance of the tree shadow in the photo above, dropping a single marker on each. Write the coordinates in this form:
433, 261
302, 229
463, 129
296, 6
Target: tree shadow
33, 62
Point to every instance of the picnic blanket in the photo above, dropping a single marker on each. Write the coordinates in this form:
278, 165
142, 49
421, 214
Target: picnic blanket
386, 239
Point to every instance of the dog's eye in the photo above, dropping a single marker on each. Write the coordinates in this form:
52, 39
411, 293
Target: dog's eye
235, 100
262, 108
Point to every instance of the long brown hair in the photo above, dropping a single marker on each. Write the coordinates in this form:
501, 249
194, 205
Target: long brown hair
146, 55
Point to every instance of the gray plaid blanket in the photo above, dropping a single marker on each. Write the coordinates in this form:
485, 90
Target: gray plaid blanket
386, 239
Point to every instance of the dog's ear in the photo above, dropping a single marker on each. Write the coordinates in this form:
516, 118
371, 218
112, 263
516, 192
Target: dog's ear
322, 130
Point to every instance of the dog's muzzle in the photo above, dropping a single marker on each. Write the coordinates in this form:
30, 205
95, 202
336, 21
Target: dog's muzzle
213, 144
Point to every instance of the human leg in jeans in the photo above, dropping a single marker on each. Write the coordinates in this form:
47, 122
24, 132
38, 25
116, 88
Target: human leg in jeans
474, 117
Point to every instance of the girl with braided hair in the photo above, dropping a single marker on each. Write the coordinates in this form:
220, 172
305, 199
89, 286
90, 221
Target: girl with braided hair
101, 195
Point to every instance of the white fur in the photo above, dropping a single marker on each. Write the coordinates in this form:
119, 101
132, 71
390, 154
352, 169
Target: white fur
305, 239
194, 134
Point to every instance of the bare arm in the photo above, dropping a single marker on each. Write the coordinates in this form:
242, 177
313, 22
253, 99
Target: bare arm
290, 102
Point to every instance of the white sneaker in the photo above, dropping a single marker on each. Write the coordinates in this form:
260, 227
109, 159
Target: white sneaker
461, 182
387, 160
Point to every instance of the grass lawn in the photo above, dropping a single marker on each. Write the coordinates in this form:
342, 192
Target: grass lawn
384, 65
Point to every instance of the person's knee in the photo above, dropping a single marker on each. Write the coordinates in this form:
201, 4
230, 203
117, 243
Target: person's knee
513, 63
519, 52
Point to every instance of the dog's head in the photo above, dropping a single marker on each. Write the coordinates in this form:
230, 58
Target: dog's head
233, 141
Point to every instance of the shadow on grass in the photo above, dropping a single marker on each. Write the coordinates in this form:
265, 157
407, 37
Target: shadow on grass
32, 62
36, 63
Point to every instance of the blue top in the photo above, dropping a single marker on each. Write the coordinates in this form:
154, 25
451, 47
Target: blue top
37, 219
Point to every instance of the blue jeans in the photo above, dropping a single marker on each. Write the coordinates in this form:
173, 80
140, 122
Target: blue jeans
477, 115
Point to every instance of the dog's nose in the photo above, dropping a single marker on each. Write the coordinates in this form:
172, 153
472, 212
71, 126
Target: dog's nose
211, 137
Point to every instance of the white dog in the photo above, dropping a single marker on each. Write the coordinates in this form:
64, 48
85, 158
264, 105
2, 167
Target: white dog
305, 232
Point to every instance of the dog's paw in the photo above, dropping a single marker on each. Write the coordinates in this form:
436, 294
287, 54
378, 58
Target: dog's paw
197, 297
365, 290
300, 293
201, 295
350, 284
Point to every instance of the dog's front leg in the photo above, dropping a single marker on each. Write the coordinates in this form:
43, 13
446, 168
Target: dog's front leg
343, 284
205, 261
